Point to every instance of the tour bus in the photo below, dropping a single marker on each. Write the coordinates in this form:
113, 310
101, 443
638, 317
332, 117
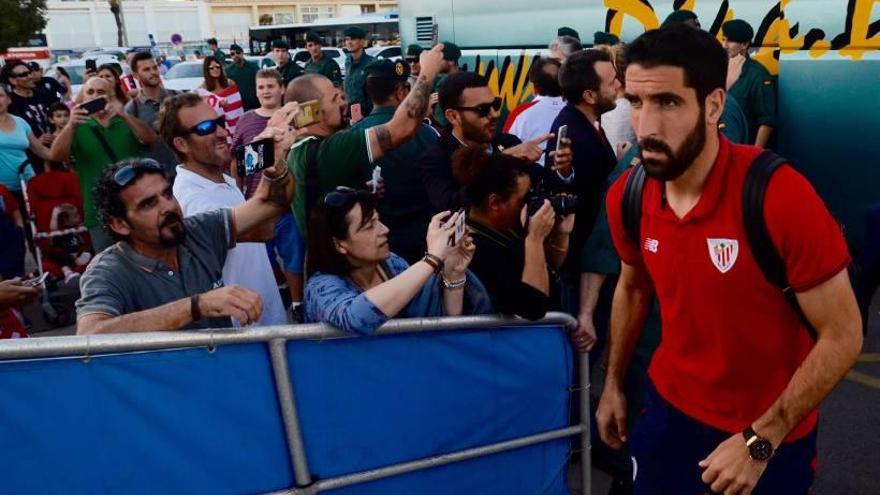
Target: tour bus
825, 55
378, 27
36, 49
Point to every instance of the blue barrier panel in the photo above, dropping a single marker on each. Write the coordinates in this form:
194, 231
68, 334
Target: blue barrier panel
178, 421
369, 402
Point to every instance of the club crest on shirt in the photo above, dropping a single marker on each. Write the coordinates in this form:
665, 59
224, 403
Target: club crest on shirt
723, 253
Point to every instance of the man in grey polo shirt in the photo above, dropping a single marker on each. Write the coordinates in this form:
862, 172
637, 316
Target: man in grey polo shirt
165, 273
145, 105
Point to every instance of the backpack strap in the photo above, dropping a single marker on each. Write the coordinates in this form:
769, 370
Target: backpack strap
760, 243
105, 145
631, 203
313, 190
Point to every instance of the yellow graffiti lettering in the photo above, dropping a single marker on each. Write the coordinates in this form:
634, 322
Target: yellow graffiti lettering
633, 8
729, 16
819, 48
689, 5
859, 41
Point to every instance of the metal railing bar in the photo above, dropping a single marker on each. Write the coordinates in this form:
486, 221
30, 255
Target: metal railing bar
583, 361
289, 415
80, 345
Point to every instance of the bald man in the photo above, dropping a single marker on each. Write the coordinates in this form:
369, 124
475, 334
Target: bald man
95, 140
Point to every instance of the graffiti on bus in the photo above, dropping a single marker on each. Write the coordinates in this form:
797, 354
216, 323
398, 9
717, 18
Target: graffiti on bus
508, 77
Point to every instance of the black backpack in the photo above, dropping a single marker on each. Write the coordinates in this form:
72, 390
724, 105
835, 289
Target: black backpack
760, 243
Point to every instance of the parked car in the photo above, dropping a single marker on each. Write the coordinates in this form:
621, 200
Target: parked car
184, 76
386, 52
301, 56
264, 61
77, 68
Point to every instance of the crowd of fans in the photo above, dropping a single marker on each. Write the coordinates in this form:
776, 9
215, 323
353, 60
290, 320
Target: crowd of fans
402, 197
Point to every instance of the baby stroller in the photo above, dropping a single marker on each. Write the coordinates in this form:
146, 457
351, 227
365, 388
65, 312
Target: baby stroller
62, 247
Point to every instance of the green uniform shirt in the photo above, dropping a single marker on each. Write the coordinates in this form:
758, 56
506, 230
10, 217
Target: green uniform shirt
343, 159
756, 95
733, 123
355, 79
289, 71
91, 158
326, 67
439, 115
405, 208
219, 55
245, 78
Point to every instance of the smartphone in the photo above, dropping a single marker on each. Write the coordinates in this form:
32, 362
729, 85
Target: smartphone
95, 105
435, 35
91, 65
309, 113
33, 282
255, 156
356, 113
459, 227
377, 176
561, 134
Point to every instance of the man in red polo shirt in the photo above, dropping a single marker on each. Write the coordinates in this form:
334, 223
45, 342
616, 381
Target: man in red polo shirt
736, 380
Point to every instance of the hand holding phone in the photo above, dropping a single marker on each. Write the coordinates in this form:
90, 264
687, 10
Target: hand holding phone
94, 106
34, 282
309, 113
254, 157
460, 224
561, 134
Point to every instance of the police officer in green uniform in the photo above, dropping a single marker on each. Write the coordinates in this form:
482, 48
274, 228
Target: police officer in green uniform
451, 56
319, 64
404, 208
288, 68
244, 74
215, 50
753, 88
355, 63
605, 38
567, 31
412, 58
334, 156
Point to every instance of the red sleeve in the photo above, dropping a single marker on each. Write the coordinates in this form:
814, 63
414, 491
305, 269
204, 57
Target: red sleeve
9, 201
627, 249
804, 232
511, 117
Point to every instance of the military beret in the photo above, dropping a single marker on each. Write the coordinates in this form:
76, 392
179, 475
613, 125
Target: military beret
280, 44
451, 51
313, 37
235, 48
354, 32
603, 38
738, 30
388, 69
679, 16
414, 50
567, 31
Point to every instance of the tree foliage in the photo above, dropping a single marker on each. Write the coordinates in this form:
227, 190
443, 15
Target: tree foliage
19, 20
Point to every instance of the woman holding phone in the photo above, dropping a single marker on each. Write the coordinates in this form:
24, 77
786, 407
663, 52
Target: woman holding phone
221, 93
357, 284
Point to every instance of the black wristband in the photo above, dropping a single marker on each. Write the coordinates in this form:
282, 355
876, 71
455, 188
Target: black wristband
435, 262
194, 307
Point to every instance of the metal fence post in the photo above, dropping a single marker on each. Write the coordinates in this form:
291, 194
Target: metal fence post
284, 389
586, 457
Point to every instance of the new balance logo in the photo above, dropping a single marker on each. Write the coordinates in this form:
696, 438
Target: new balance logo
651, 245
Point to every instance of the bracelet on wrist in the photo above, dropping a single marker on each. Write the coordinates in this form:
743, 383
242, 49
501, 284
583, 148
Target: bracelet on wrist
453, 285
278, 178
435, 262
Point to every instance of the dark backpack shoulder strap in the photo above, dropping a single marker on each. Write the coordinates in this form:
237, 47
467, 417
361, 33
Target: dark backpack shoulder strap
631, 202
313, 191
769, 261
105, 145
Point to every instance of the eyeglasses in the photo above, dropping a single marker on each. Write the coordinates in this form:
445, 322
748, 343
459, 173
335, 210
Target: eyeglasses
342, 197
206, 127
483, 109
126, 174
214, 67
20, 74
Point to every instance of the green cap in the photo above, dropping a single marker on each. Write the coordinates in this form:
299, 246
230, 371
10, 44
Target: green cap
280, 44
603, 38
388, 69
567, 31
414, 50
313, 37
235, 48
679, 16
451, 51
738, 30
354, 32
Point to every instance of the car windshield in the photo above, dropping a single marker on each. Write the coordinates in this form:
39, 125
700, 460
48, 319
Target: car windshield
180, 71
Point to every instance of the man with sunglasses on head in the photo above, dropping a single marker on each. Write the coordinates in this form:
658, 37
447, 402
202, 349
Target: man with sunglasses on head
96, 140
472, 111
199, 138
335, 156
166, 271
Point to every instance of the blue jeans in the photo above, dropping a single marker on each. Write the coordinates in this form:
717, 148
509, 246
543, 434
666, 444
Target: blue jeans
666, 446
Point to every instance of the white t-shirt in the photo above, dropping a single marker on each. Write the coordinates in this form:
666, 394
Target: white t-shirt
247, 264
537, 120
617, 125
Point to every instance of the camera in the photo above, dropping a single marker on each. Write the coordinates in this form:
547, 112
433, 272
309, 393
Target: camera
562, 204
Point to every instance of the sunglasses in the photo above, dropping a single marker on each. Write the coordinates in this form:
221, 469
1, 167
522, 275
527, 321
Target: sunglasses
126, 174
206, 127
483, 109
344, 197
214, 67
20, 74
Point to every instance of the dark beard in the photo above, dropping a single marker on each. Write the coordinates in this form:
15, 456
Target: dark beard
177, 234
678, 162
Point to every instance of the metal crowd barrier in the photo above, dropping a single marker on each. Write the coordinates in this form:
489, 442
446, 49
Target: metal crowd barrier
275, 338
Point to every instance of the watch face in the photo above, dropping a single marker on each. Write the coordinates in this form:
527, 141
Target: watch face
761, 450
